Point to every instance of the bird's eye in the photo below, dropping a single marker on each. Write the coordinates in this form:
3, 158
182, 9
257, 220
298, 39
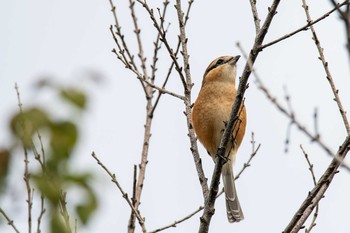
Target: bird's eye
219, 62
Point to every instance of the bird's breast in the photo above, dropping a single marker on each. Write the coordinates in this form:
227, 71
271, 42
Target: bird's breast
210, 112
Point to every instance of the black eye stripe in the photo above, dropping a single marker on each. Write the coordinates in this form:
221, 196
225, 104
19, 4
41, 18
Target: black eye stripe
217, 63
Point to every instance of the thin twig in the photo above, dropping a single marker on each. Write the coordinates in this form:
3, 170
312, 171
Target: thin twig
314, 138
175, 53
131, 224
252, 155
311, 169
345, 16
188, 102
157, 43
122, 37
139, 40
164, 40
26, 175
42, 212
316, 123
178, 221
245, 165
124, 194
9, 221
42, 158
255, 15
326, 69
318, 191
123, 47
305, 27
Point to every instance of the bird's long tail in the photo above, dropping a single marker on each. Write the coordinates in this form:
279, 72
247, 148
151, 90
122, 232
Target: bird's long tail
233, 208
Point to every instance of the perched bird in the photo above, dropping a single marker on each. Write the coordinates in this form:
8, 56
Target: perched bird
210, 113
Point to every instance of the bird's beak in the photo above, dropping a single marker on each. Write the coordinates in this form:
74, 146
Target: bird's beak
234, 60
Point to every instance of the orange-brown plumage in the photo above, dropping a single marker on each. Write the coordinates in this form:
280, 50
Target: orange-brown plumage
210, 113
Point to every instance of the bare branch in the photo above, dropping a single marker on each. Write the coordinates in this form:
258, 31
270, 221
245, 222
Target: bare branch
26, 175
305, 27
252, 155
255, 15
345, 16
157, 43
9, 221
175, 53
314, 138
42, 212
245, 165
131, 224
141, 55
164, 40
311, 169
178, 221
124, 194
188, 102
318, 191
326, 68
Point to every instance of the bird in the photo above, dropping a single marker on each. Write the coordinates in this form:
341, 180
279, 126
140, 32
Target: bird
210, 114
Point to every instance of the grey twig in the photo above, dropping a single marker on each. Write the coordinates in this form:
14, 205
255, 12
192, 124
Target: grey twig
175, 223
317, 193
314, 138
305, 27
311, 169
245, 165
124, 194
42, 212
255, 15
9, 221
164, 40
326, 69
188, 102
26, 175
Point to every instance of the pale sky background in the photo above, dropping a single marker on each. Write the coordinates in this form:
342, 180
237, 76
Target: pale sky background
65, 40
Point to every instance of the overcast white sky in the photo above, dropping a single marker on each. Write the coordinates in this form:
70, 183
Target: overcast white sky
64, 40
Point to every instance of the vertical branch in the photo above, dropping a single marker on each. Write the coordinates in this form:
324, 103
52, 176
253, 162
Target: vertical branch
326, 68
188, 104
209, 205
185, 81
131, 225
137, 31
26, 175
175, 54
255, 15
42, 212
311, 169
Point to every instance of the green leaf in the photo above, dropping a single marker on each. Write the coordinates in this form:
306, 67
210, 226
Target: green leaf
50, 186
58, 225
87, 208
75, 97
64, 136
25, 124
